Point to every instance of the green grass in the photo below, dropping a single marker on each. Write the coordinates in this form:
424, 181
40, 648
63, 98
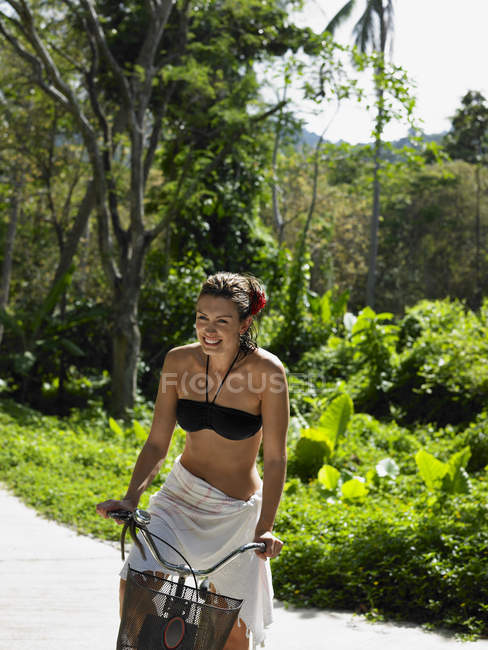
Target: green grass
398, 553
64, 467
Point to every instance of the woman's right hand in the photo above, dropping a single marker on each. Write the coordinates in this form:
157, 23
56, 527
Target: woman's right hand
105, 507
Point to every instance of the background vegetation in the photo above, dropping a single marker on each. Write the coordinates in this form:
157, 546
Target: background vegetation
132, 165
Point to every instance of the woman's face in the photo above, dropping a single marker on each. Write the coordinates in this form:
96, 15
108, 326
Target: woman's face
218, 325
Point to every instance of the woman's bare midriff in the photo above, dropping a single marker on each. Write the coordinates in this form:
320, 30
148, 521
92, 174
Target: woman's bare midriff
228, 465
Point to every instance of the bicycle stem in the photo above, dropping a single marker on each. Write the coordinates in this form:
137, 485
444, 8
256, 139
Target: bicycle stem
184, 569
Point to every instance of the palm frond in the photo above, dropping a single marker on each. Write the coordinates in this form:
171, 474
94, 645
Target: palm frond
364, 29
342, 15
390, 25
367, 30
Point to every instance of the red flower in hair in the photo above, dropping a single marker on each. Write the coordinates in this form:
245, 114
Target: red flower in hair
257, 302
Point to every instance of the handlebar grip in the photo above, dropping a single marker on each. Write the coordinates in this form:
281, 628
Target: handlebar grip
261, 546
122, 515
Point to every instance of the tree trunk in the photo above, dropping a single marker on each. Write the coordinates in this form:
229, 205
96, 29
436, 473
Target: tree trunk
62, 370
9, 249
477, 288
278, 219
76, 232
375, 217
375, 220
126, 345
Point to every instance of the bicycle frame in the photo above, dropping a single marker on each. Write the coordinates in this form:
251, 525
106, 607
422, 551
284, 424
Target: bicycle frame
141, 519
202, 618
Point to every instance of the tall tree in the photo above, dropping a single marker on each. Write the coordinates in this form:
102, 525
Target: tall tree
16, 183
468, 136
468, 140
119, 70
372, 32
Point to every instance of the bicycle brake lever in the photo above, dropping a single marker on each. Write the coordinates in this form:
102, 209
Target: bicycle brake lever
132, 527
132, 520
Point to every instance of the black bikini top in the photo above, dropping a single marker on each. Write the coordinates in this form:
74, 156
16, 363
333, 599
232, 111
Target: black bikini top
234, 424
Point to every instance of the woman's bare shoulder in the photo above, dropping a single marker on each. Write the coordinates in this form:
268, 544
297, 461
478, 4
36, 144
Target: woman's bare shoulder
183, 354
265, 361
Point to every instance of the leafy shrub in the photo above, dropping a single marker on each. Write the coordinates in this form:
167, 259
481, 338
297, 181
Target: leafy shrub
318, 443
307, 458
431, 368
446, 478
363, 528
365, 357
307, 319
442, 374
387, 557
476, 437
332, 361
38, 351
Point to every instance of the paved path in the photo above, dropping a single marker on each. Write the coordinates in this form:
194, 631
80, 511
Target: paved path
57, 592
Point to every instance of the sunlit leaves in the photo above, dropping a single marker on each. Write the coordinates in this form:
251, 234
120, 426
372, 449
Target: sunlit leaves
328, 476
444, 477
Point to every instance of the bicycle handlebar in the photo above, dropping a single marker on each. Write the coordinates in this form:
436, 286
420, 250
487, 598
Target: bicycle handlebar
140, 519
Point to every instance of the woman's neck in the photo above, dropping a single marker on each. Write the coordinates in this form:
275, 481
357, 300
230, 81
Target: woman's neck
220, 363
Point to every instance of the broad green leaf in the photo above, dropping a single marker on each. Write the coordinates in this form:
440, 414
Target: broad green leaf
339, 306
139, 431
335, 419
335, 342
329, 477
458, 460
459, 484
52, 298
309, 457
325, 308
115, 427
355, 488
387, 467
319, 434
386, 315
71, 347
363, 321
431, 469
457, 479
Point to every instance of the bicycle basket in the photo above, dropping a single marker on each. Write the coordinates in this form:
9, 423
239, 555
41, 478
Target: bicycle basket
160, 614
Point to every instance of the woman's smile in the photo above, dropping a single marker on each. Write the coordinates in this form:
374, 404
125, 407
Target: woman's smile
211, 340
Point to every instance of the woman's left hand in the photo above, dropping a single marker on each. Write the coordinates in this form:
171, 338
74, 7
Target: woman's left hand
273, 544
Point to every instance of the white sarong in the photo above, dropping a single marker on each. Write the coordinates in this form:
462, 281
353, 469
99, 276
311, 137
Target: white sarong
205, 524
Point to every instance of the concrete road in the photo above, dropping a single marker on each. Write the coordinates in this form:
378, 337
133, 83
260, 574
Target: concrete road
58, 591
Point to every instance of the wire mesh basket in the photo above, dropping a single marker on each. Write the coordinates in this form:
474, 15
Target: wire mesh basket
161, 614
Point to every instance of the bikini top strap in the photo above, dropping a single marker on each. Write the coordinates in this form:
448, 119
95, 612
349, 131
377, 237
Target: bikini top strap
206, 380
223, 380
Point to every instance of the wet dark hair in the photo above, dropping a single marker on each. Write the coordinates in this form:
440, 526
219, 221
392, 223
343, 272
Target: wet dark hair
246, 293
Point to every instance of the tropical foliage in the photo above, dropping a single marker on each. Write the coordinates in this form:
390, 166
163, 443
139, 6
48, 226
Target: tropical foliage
384, 514
132, 166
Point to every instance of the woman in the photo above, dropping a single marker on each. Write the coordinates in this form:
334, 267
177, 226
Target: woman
229, 396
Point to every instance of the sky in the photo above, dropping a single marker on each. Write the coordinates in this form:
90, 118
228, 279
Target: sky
443, 46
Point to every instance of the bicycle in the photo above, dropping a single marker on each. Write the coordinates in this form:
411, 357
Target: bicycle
159, 613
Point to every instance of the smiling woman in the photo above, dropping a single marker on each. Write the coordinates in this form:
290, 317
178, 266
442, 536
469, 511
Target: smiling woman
230, 396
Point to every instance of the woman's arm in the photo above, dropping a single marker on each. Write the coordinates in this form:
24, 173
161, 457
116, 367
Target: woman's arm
275, 414
155, 449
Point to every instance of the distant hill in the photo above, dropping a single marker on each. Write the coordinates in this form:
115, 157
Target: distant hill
308, 138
